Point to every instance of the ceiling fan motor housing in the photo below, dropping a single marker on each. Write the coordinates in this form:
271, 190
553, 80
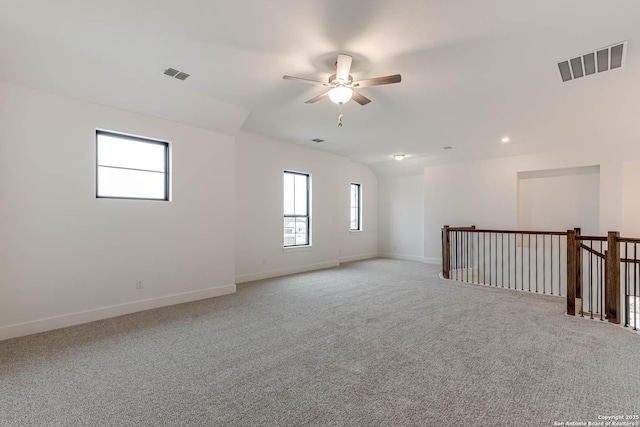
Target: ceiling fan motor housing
333, 80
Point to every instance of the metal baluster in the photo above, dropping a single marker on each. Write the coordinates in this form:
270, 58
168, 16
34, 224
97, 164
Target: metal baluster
536, 263
529, 259
483, 258
521, 262
591, 279
502, 258
559, 268
626, 284
626, 278
582, 284
465, 251
496, 260
473, 254
601, 282
490, 263
635, 285
551, 259
509, 260
544, 268
456, 253
468, 235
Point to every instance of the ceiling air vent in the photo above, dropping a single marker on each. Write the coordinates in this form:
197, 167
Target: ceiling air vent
172, 72
601, 60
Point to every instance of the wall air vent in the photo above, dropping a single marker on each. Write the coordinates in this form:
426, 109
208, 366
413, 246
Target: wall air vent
172, 72
605, 59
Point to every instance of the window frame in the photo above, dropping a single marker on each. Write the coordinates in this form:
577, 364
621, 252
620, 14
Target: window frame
167, 173
359, 207
308, 209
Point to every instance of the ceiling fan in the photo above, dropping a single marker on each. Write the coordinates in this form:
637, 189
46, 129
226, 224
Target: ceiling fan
341, 84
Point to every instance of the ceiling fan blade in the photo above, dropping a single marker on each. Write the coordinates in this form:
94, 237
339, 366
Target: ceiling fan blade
396, 78
317, 98
308, 81
359, 98
343, 67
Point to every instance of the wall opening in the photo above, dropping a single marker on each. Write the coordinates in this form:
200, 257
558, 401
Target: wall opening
559, 199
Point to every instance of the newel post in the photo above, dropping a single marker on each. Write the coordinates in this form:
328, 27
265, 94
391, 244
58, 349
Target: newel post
612, 279
572, 282
446, 253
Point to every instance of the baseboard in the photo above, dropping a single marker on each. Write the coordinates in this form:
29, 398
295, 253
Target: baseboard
77, 318
402, 257
358, 257
250, 277
435, 261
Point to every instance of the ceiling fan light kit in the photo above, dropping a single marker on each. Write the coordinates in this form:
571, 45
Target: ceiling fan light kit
341, 84
340, 94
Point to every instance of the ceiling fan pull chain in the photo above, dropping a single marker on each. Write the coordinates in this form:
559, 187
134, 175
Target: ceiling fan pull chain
340, 115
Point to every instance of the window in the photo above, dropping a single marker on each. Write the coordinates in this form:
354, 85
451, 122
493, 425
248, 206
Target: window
296, 209
129, 167
356, 214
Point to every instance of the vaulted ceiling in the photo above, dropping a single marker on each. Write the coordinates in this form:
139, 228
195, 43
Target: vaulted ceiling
472, 71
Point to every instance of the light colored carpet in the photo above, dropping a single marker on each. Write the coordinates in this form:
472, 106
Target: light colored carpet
371, 343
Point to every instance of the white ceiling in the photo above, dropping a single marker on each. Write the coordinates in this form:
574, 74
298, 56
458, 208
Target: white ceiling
472, 71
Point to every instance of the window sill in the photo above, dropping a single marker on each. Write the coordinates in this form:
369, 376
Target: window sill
301, 248
355, 231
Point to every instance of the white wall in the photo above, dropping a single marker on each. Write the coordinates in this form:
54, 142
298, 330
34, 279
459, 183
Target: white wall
485, 193
631, 199
560, 199
259, 208
401, 218
358, 244
67, 257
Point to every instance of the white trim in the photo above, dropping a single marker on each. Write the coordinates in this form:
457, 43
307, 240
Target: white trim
357, 257
435, 261
79, 317
250, 277
403, 257
299, 248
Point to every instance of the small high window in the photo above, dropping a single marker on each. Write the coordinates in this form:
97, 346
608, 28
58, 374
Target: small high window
296, 209
356, 213
129, 167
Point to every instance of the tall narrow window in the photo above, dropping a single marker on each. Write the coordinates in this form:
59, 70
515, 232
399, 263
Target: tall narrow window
356, 214
129, 167
296, 209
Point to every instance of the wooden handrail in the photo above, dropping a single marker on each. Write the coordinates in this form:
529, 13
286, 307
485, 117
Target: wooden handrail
628, 240
593, 251
478, 230
595, 238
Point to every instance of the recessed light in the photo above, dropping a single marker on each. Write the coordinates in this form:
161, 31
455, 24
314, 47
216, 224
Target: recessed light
505, 140
398, 156
448, 147
318, 140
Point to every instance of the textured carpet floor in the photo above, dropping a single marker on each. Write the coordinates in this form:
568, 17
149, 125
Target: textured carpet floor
372, 343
